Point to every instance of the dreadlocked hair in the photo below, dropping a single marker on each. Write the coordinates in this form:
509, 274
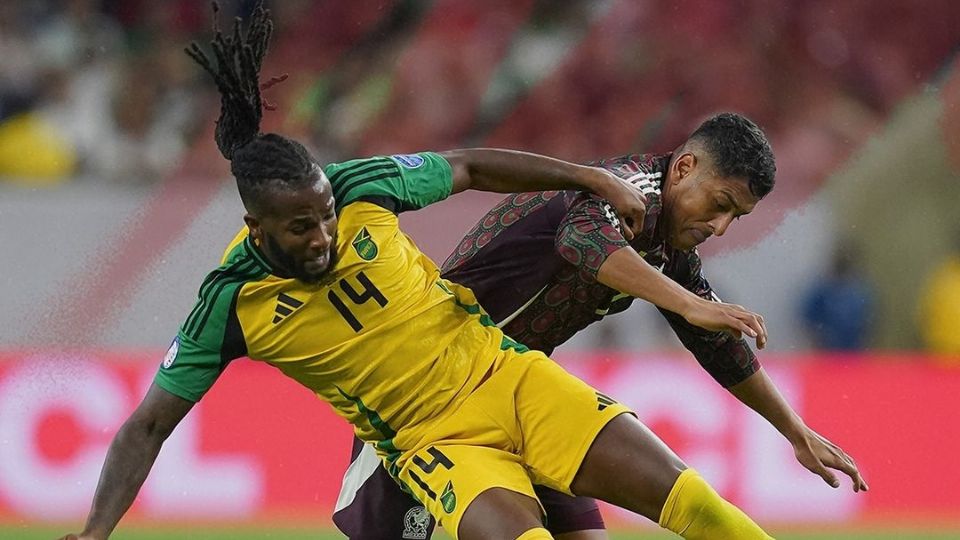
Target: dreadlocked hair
256, 159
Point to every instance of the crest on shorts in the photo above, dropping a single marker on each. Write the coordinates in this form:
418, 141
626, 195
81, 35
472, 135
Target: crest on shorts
364, 245
171, 355
415, 523
448, 499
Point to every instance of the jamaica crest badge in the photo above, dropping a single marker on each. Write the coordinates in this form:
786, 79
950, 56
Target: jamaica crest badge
448, 499
364, 245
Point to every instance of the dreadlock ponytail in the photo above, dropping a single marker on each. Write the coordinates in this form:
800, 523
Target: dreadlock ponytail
236, 73
256, 159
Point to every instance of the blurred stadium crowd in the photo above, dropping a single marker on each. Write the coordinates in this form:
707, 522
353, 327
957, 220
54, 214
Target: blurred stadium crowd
96, 88
101, 90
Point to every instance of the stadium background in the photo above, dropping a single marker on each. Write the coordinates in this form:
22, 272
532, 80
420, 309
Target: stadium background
114, 204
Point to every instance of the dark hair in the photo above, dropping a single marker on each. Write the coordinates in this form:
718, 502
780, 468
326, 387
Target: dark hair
739, 148
256, 159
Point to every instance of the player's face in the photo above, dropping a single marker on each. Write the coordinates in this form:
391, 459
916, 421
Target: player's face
699, 204
297, 230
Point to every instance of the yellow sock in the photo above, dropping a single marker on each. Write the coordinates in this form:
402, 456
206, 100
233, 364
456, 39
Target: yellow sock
695, 511
536, 534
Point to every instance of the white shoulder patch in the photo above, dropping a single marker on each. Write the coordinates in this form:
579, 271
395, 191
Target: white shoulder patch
171, 355
410, 161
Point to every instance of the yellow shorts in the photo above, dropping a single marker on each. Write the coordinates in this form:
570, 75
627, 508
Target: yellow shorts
530, 423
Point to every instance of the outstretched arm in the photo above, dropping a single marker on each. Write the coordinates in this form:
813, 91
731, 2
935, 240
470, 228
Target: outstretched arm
130, 458
733, 365
510, 171
626, 271
813, 451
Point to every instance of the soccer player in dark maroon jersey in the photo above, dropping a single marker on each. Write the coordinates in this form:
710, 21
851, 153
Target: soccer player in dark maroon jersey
546, 265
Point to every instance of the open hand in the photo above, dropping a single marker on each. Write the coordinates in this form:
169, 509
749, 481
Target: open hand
819, 455
731, 318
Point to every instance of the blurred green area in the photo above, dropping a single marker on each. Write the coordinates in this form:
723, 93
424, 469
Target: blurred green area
47, 532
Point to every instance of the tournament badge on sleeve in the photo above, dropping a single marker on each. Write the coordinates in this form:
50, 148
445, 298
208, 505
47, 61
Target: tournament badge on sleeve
171, 355
409, 161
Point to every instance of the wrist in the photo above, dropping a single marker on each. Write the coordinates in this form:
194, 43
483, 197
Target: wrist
688, 304
594, 180
794, 430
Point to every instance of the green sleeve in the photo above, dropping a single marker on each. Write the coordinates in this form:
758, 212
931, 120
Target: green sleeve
188, 369
211, 336
399, 182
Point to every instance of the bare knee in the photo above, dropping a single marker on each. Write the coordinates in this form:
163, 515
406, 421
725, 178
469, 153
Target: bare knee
630, 467
499, 514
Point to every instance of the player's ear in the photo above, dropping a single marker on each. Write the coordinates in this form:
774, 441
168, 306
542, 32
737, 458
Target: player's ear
683, 166
254, 225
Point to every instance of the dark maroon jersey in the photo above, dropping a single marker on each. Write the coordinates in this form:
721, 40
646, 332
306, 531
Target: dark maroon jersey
532, 262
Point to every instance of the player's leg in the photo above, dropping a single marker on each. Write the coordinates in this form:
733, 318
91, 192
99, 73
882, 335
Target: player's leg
571, 518
500, 513
476, 492
629, 466
649, 463
372, 506
579, 440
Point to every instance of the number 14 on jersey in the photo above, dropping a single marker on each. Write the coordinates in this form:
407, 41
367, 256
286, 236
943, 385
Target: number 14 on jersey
367, 291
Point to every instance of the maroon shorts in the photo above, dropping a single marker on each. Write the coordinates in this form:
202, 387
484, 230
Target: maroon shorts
382, 511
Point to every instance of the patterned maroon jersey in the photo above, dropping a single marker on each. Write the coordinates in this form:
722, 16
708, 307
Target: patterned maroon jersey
532, 262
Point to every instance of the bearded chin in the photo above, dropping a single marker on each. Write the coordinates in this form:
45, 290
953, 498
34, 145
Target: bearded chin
280, 257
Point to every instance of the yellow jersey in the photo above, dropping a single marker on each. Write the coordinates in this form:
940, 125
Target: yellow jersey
383, 338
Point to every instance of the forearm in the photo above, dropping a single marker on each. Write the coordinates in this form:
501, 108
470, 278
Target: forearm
760, 394
626, 271
129, 460
510, 171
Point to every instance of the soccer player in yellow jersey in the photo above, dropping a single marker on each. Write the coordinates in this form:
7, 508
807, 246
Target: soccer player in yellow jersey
327, 289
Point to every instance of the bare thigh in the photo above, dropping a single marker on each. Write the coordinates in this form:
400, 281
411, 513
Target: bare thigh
630, 467
499, 514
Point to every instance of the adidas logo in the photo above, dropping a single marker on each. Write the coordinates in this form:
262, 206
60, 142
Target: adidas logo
604, 401
611, 216
647, 183
286, 305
